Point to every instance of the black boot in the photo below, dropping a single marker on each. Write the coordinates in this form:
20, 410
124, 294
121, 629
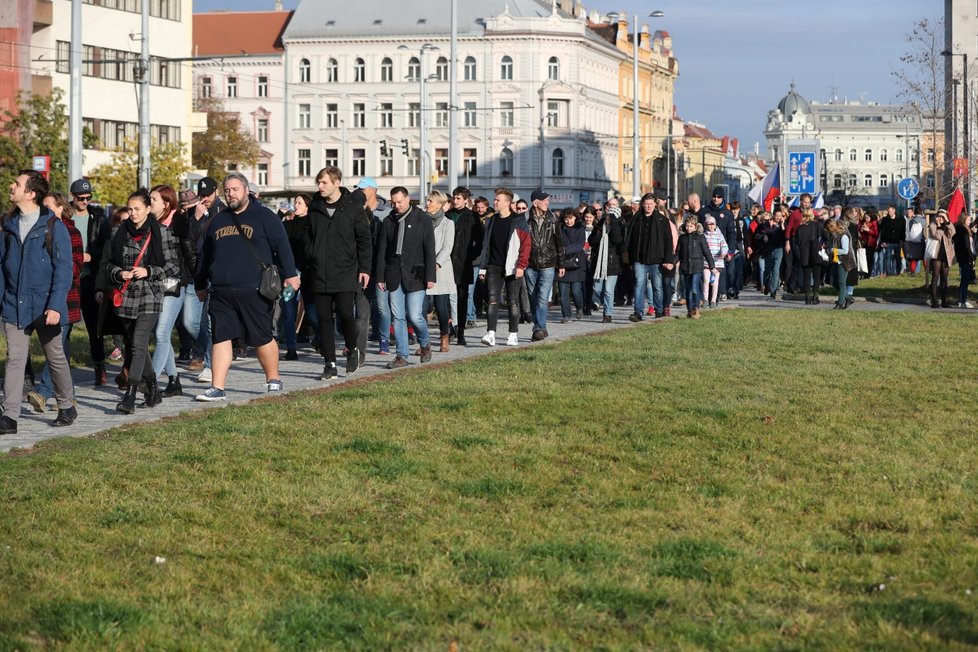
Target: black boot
808, 298
128, 403
173, 387
152, 393
460, 332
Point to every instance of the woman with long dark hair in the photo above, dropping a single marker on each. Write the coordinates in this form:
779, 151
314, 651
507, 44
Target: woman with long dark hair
141, 255
294, 228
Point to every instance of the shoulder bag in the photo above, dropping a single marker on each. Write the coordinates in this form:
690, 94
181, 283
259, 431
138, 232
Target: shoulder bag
270, 285
117, 293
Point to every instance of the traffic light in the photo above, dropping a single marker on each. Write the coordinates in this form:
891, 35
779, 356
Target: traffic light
384, 149
404, 147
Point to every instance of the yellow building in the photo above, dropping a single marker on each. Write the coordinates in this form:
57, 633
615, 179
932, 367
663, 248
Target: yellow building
657, 73
703, 156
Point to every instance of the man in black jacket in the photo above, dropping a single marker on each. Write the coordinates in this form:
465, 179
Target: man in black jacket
94, 227
465, 256
892, 233
546, 259
727, 226
406, 268
338, 255
649, 247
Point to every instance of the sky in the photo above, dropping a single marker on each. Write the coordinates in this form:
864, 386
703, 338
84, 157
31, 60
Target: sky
737, 59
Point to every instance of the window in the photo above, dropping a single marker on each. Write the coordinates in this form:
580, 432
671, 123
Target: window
413, 165
557, 163
506, 114
930, 180
359, 162
263, 174
837, 155
868, 181
262, 86
553, 69
359, 116
470, 162
441, 69
386, 163
164, 72
441, 114
930, 154
162, 134
332, 71
232, 86
852, 181
305, 162
469, 115
387, 115
205, 87
305, 71
414, 69
332, 116
837, 181
469, 69
441, 161
232, 167
852, 154
506, 68
386, 70
914, 153
261, 130
414, 114
305, 116
553, 113
899, 156
331, 157
868, 154
506, 162
884, 154
359, 70
884, 181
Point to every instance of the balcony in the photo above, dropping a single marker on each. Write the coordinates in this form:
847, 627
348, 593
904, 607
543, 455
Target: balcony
43, 14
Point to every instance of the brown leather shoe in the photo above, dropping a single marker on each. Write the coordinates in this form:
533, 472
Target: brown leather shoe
122, 378
444, 344
425, 352
195, 366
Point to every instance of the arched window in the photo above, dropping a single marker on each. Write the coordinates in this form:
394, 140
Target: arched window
506, 162
359, 70
414, 69
305, 71
852, 180
386, 70
899, 156
868, 154
838, 155
852, 154
884, 181
868, 181
883, 154
553, 69
332, 71
469, 69
506, 68
441, 69
557, 163
837, 181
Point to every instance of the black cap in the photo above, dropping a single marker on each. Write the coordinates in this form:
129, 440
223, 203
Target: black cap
81, 187
206, 187
718, 192
538, 195
660, 194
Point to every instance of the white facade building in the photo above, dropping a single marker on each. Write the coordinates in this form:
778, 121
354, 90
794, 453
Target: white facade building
110, 34
537, 96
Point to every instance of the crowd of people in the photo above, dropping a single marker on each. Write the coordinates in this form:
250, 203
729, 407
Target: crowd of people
228, 275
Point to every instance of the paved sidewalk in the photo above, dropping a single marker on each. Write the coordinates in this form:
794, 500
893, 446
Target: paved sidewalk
96, 405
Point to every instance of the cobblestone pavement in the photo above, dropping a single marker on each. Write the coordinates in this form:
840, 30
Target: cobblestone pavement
246, 381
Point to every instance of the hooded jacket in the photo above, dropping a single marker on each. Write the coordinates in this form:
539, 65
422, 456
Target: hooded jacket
337, 243
33, 279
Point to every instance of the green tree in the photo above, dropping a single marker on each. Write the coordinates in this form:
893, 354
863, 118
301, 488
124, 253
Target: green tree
225, 141
114, 181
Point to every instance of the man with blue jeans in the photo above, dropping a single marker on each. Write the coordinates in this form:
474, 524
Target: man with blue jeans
405, 269
650, 245
546, 254
892, 231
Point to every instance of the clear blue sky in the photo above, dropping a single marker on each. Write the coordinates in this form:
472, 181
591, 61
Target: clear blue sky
736, 59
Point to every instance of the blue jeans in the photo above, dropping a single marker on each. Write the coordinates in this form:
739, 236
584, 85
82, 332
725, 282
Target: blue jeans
693, 283
46, 388
761, 271
186, 302
604, 291
568, 291
470, 314
667, 287
290, 315
382, 313
772, 271
539, 287
967, 277
204, 331
408, 306
651, 275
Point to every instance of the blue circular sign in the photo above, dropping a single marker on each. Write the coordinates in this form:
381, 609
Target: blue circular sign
908, 188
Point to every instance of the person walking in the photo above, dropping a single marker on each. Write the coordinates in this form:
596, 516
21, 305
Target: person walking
650, 244
694, 256
964, 252
546, 256
93, 224
571, 284
842, 257
465, 258
606, 242
505, 255
940, 256
440, 294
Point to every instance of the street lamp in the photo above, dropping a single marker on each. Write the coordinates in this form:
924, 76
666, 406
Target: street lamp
636, 179
422, 124
967, 124
669, 151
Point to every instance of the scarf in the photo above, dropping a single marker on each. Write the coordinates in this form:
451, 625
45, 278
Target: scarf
128, 231
601, 271
400, 234
437, 217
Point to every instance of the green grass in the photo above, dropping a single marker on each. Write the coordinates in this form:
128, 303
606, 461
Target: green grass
751, 480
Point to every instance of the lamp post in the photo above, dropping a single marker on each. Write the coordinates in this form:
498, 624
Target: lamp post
636, 171
967, 125
422, 123
669, 183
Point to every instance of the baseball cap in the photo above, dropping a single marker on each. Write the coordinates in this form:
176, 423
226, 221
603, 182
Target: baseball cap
81, 187
538, 195
188, 198
206, 187
367, 182
636, 200
660, 194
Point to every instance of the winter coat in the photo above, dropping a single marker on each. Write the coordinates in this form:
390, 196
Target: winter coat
186, 253
518, 249
807, 243
650, 239
35, 280
572, 240
468, 244
964, 247
616, 240
718, 247
892, 230
834, 242
415, 267
444, 243
869, 232
946, 235
726, 224
546, 246
77, 264
338, 246
145, 295
768, 237
694, 253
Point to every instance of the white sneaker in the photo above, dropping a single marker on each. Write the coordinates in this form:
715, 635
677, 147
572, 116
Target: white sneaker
513, 340
204, 376
489, 339
966, 304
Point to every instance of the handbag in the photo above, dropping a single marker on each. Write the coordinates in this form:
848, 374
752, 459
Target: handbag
270, 283
570, 263
117, 293
862, 263
171, 287
933, 249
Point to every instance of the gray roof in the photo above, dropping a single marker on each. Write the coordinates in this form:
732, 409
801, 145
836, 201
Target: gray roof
358, 19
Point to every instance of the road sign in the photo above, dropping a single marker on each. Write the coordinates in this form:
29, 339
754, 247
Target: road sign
42, 164
801, 172
585, 196
908, 188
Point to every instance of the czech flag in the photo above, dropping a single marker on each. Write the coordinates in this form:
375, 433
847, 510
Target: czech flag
768, 189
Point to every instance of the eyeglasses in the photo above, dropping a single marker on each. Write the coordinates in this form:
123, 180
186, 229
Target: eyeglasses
81, 199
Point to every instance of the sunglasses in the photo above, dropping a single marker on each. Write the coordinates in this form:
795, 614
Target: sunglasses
89, 198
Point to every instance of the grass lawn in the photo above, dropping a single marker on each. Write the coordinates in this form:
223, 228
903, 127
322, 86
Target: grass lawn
751, 480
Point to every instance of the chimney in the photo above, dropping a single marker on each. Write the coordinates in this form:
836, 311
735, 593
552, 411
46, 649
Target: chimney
278, 5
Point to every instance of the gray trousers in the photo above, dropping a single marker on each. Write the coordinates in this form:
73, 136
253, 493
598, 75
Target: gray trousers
18, 350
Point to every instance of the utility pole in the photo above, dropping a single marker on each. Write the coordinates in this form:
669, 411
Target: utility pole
453, 103
74, 103
143, 77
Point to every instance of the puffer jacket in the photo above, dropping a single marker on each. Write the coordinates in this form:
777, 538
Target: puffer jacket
694, 253
546, 245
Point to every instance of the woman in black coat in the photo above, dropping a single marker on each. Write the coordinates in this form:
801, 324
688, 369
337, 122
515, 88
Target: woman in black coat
964, 252
808, 242
574, 264
606, 242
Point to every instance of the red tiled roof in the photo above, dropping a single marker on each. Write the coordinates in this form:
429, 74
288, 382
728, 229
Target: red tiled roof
697, 131
239, 32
